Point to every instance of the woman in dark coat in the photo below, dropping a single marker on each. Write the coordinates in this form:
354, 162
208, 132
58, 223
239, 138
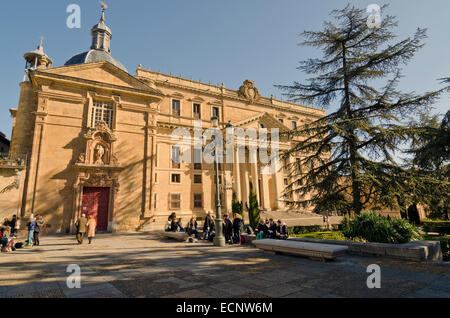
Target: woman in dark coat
227, 228
238, 225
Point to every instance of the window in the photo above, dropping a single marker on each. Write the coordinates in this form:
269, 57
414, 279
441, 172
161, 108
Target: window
176, 178
176, 160
175, 201
215, 112
197, 159
156, 201
197, 178
286, 181
197, 111
156, 178
294, 125
102, 111
198, 200
281, 120
176, 107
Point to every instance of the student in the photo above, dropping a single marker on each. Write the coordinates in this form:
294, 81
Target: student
212, 230
179, 226
91, 225
191, 228
31, 226
16, 227
281, 232
4, 238
261, 230
227, 228
272, 229
207, 225
237, 228
81, 228
37, 229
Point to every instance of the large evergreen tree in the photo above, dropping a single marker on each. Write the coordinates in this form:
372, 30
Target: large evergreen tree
348, 158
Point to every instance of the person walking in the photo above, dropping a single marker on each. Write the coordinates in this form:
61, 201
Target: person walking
38, 229
237, 228
91, 225
81, 228
31, 226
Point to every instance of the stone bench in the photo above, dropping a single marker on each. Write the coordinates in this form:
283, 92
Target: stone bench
179, 236
311, 250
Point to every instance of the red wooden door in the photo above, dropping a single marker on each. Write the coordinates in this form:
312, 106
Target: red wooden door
96, 202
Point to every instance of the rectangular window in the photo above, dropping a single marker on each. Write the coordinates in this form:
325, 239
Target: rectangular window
197, 111
102, 111
286, 181
176, 107
197, 178
176, 178
198, 200
175, 201
215, 112
176, 158
294, 125
155, 204
156, 178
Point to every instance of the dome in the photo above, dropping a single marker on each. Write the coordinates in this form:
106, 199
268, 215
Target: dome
92, 56
100, 49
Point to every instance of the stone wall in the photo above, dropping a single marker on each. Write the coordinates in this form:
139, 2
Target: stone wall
11, 185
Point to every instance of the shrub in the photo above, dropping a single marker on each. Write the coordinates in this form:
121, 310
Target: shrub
374, 228
253, 210
237, 207
441, 227
305, 229
445, 247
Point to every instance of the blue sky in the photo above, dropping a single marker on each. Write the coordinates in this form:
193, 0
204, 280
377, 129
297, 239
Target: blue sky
210, 40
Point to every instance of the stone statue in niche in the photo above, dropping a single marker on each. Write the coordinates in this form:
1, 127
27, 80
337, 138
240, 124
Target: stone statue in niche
99, 153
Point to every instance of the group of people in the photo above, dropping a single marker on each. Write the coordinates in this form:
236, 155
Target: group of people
271, 230
232, 229
9, 232
85, 226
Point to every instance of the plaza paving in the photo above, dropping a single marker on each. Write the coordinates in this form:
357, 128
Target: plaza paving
144, 265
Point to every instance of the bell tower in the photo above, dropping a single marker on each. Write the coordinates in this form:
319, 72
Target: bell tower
37, 59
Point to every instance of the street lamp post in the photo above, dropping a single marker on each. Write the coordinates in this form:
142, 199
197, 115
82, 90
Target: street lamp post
219, 239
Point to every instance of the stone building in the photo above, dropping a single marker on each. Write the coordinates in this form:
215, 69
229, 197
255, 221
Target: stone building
99, 140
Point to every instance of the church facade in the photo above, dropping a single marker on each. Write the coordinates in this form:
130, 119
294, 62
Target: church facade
99, 140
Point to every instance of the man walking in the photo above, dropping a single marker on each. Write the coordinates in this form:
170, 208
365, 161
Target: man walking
81, 228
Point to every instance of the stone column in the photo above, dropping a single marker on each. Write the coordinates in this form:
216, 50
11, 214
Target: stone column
255, 178
237, 175
279, 187
265, 199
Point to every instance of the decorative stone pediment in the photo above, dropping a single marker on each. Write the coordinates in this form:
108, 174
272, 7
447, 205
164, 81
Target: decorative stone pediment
99, 147
249, 91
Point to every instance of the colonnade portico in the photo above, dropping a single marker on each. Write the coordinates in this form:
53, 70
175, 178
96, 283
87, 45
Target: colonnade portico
267, 186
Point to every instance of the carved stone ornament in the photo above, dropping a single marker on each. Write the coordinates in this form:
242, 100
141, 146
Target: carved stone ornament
249, 91
99, 146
